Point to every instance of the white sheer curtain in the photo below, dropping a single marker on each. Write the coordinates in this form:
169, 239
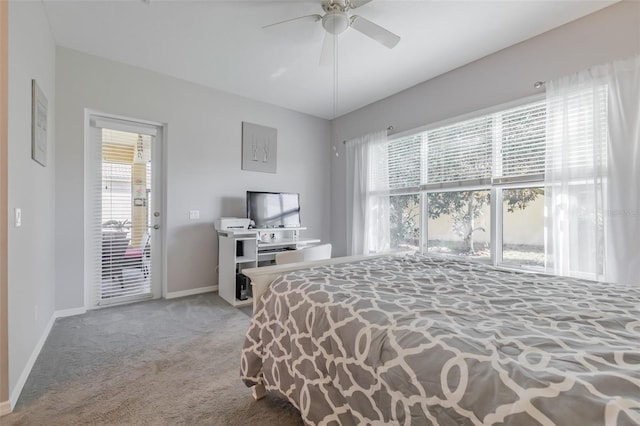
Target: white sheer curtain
622, 218
592, 175
368, 214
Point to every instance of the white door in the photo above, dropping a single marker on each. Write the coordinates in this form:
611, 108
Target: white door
124, 201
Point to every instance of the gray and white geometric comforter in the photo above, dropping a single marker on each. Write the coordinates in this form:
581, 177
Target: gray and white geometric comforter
418, 340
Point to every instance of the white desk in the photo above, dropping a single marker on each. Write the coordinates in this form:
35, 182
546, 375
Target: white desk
252, 248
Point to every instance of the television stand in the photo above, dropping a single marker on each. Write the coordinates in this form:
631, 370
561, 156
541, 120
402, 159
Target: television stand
251, 248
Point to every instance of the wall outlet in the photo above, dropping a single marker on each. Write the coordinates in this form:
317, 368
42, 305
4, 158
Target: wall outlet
194, 214
18, 216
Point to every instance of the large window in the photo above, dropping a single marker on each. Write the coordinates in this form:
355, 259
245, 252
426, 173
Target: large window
471, 189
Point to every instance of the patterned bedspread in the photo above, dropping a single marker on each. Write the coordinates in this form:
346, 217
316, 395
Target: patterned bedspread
419, 340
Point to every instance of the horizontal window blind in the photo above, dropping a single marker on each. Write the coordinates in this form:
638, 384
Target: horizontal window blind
396, 164
520, 142
121, 216
116, 192
507, 146
460, 152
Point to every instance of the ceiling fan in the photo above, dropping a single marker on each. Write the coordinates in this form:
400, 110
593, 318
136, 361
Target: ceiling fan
336, 20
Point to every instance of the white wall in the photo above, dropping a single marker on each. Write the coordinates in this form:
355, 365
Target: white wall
203, 158
507, 75
31, 268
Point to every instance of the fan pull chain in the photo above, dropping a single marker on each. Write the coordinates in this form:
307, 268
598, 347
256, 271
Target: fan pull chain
335, 76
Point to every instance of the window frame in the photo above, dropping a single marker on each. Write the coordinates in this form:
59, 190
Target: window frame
425, 217
421, 207
498, 217
495, 186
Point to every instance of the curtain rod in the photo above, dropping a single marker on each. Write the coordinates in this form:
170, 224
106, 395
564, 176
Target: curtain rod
388, 129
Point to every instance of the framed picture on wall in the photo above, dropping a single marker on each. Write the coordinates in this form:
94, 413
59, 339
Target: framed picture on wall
259, 148
39, 115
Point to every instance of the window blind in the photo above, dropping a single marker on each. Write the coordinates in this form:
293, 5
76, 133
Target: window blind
506, 146
116, 192
459, 153
120, 218
519, 146
396, 164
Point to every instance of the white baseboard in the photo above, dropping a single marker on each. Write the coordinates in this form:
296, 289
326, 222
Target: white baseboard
13, 398
5, 408
70, 312
191, 292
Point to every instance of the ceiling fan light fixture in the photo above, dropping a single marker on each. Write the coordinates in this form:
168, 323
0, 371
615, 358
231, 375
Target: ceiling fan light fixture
335, 22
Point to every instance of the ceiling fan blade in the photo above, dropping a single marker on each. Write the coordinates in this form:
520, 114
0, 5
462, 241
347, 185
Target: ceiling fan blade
357, 3
374, 31
309, 18
328, 49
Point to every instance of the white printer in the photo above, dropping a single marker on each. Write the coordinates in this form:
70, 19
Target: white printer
232, 224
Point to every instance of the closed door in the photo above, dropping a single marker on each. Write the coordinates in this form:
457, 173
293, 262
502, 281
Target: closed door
125, 226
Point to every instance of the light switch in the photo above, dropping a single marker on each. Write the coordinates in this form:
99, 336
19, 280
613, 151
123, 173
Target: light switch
194, 214
18, 216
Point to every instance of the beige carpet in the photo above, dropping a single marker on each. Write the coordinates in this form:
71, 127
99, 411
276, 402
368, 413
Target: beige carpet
192, 383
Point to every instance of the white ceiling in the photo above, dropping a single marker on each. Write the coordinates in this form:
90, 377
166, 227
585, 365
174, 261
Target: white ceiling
221, 44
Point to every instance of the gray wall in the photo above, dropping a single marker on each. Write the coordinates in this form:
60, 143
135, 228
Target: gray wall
507, 75
31, 268
203, 156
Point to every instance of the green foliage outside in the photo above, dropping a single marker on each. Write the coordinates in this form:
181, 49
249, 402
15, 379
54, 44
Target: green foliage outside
464, 208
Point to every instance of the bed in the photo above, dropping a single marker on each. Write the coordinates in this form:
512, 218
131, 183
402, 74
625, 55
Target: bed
414, 339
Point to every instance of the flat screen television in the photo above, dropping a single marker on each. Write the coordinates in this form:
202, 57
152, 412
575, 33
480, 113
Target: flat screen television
273, 209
